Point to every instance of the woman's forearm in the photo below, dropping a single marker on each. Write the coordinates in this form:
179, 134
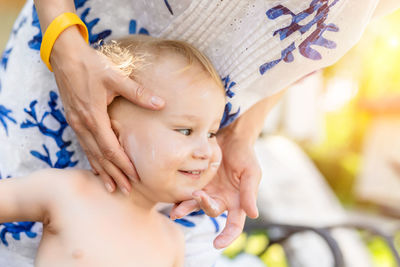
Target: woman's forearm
250, 124
48, 10
386, 7
70, 39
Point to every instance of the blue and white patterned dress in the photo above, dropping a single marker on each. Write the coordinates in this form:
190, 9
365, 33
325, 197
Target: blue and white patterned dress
258, 47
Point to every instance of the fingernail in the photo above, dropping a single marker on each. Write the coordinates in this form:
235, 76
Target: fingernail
125, 191
156, 101
218, 245
109, 188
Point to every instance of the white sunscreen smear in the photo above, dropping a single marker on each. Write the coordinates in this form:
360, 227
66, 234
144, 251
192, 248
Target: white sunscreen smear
215, 164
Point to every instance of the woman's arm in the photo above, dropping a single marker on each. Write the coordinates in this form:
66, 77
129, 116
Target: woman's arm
385, 105
87, 83
249, 126
386, 7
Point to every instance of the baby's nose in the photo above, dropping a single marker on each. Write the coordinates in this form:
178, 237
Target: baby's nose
203, 151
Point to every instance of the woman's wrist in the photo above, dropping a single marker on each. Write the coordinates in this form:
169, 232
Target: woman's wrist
69, 44
245, 129
249, 125
237, 132
48, 10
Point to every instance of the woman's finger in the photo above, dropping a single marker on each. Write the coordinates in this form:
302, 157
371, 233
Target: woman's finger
107, 180
233, 228
249, 183
184, 208
212, 207
97, 169
120, 178
111, 149
103, 166
134, 92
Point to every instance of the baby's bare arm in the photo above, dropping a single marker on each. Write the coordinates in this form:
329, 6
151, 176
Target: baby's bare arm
27, 198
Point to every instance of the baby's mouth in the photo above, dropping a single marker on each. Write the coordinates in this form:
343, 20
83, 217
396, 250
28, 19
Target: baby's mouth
192, 173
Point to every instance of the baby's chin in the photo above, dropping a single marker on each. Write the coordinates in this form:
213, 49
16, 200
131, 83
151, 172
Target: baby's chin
179, 196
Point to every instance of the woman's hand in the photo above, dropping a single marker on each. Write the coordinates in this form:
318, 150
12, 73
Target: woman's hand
87, 84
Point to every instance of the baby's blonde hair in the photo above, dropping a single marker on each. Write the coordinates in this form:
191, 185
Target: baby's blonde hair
133, 53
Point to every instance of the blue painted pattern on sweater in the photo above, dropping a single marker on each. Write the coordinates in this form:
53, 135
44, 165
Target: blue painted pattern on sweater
320, 9
63, 155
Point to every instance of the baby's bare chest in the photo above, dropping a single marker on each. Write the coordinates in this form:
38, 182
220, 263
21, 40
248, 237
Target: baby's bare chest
105, 236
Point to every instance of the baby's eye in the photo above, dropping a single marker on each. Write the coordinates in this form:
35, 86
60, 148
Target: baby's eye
185, 131
211, 135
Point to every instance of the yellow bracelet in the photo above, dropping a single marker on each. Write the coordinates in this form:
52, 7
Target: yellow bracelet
56, 27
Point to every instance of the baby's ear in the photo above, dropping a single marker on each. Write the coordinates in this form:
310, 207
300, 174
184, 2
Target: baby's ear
116, 126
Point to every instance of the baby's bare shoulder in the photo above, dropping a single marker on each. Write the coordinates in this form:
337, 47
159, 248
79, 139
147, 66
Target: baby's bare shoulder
63, 182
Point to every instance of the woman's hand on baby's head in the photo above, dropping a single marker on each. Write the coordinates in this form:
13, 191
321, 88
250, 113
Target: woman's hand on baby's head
87, 84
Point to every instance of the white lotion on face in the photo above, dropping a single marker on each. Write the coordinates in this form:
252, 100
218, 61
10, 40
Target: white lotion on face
215, 164
205, 94
132, 148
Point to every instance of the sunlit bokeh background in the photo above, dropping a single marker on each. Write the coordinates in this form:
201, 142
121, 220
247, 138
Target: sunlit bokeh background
355, 98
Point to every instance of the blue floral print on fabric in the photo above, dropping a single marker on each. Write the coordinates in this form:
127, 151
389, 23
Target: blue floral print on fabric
19, 26
63, 155
4, 116
320, 9
5, 57
133, 28
94, 38
15, 229
36, 40
4, 61
228, 117
169, 7
1, 176
187, 223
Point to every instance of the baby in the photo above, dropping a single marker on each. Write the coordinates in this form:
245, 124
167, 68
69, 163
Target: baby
175, 153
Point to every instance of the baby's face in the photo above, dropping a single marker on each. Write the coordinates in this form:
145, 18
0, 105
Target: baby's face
174, 150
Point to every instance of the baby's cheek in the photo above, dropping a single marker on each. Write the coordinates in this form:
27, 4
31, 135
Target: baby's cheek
216, 157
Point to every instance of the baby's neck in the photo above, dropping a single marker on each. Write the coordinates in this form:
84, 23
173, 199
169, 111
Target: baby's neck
141, 202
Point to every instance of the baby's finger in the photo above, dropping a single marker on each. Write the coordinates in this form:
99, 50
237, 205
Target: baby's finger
233, 228
184, 208
212, 207
136, 93
249, 183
